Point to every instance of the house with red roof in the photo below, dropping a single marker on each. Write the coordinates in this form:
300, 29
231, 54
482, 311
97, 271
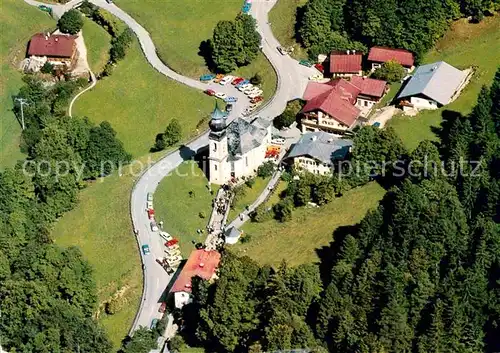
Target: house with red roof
57, 49
346, 63
201, 263
330, 106
379, 55
371, 91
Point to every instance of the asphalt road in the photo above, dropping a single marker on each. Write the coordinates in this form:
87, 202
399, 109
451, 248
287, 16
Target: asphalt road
292, 80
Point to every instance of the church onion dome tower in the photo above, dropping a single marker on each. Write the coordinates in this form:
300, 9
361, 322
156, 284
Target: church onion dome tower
217, 120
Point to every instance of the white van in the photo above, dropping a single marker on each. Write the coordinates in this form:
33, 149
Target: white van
154, 226
165, 236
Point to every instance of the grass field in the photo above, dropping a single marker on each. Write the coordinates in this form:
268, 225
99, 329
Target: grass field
464, 45
179, 210
18, 21
98, 43
296, 241
100, 226
282, 18
178, 28
139, 103
248, 198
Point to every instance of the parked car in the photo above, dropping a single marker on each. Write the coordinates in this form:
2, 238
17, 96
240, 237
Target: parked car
249, 89
149, 205
255, 94
221, 95
109, 1
162, 308
244, 87
218, 78
376, 124
237, 80
165, 236
305, 63
154, 226
207, 77
231, 99
145, 249
226, 80
320, 67
257, 99
315, 77
282, 50
151, 213
154, 322
229, 107
246, 8
210, 92
242, 83
150, 196
278, 141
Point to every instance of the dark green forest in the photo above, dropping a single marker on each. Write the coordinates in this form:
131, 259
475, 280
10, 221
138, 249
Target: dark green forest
47, 293
414, 25
421, 273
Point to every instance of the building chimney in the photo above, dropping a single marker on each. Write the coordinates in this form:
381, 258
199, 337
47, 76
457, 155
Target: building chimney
56, 39
348, 52
202, 264
353, 52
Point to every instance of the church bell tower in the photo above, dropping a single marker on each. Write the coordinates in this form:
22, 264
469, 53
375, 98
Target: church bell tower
218, 151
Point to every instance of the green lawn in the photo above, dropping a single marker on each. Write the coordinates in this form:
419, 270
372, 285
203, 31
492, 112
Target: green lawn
463, 46
296, 241
178, 27
100, 226
98, 43
248, 198
139, 102
18, 22
282, 18
180, 211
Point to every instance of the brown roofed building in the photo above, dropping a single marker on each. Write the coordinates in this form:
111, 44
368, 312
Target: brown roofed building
201, 263
346, 63
380, 55
58, 49
371, 91
330, 106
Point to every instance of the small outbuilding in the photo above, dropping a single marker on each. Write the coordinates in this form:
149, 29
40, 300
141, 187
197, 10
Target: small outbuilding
380, 55
346, 63
57, 49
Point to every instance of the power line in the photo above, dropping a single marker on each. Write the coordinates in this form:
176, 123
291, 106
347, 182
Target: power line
22, 102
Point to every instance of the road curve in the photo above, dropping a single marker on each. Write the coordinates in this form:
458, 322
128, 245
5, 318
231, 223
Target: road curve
292, 79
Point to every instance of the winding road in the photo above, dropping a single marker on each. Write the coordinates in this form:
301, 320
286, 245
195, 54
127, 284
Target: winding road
292, 80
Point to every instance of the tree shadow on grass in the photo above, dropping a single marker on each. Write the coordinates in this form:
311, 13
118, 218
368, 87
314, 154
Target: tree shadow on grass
205, 51
299, 16
443, 131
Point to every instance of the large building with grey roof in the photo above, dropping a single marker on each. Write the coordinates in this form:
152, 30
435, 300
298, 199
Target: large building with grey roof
317, 151
238, 149
432, 86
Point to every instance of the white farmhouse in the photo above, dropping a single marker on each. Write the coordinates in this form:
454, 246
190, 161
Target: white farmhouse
238, 149
432, 86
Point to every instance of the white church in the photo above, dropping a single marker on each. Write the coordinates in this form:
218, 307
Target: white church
238, 149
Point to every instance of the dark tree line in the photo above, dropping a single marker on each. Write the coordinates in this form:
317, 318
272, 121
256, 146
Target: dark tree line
421, 273
47, 293
414, 25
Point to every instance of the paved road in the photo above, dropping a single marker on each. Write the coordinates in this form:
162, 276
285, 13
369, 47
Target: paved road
292, 79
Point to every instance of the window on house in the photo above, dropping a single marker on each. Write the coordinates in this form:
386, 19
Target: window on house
246, 161
215, 147
215, 166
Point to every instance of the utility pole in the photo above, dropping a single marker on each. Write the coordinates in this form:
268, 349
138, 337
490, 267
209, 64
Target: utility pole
22, 102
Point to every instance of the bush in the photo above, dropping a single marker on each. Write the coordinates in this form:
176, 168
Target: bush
250, 183
288, 117
176, 344
88, 9
173, 133
256, 79
283, 210
245, 238
71, 22
390, 71
119, 45
202, 215
47, 68
262, 214
266, 169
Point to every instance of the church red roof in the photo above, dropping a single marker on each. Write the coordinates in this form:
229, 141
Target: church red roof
201, 263
341, 62
383, 54
57, 45
369, 86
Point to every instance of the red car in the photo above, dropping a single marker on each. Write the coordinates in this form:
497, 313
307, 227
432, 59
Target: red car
171, 243
319, 67
257, 99
151, 213
237, 80
210, 92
